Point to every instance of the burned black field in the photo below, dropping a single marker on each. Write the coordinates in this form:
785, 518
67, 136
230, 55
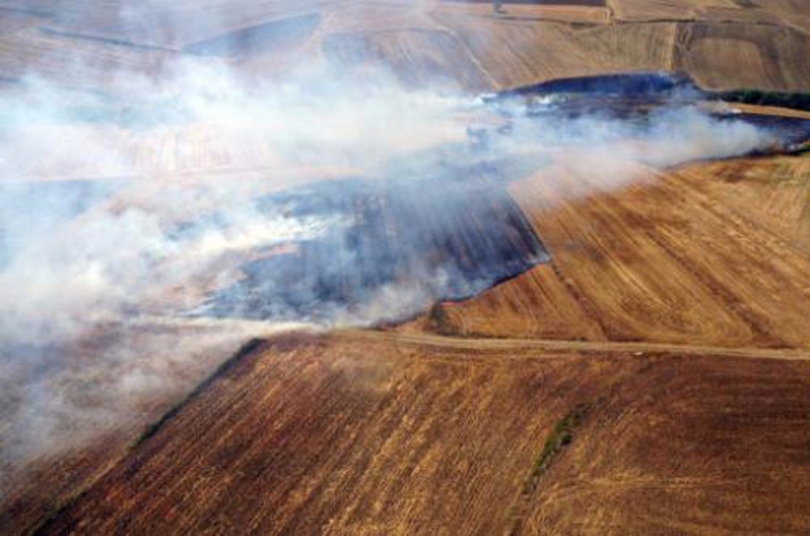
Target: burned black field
436, 240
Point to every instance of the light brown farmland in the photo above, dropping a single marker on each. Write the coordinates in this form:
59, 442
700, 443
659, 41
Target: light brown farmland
357, 433
711, 252
720, 43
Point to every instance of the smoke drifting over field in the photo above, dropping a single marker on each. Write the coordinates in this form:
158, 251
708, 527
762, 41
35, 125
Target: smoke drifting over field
129, 218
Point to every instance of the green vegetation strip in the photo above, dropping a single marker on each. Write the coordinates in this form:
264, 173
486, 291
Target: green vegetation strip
796, 101
561, 436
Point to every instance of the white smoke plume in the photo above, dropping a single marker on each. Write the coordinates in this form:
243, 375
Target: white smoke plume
123, 212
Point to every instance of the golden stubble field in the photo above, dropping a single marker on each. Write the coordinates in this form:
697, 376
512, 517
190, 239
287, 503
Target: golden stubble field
709, 253
380, 433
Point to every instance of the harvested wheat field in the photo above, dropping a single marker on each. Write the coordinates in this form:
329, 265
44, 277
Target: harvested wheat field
708, 253
404, 267
720, 43
377, 433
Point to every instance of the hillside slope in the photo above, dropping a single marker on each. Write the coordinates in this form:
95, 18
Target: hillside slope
720, 43
387, 434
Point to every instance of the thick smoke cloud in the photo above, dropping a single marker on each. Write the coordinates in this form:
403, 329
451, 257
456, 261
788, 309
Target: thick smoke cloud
123, 212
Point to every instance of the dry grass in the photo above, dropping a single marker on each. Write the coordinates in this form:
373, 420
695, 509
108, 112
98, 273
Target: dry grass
360, 434
711, 448
713, 253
